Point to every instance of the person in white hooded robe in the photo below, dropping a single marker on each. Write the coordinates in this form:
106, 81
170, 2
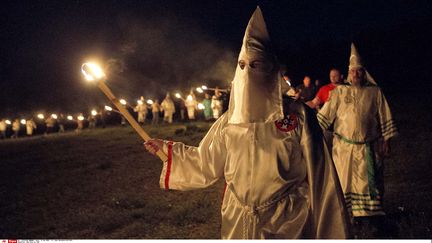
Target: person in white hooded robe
363, 126
3, 128
281, 182
191, 105
142, 109
167, 106
30, 127
217, 104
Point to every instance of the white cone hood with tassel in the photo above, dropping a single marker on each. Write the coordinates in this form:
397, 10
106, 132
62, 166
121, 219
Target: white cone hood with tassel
355, 61
256, 90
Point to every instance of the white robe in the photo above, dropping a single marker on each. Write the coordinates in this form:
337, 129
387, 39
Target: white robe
191, 105
216, 105
361, 118
30, 126
281, 182
169, 109
142, 112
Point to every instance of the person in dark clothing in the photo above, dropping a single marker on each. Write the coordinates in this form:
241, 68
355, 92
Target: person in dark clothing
306, 91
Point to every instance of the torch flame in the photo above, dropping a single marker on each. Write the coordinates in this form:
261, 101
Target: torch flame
94, 112
123, 101
200, 90
80, 117
92, 72
70, 118
204, 87
108, 108
201, 106
41, 116
23, 121
178, 95
139, 102
8, 122
150, 102
54, 116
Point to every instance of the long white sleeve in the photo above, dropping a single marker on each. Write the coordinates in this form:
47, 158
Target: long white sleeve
190, 167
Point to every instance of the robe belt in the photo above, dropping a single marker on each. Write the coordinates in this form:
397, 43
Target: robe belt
252, 211
370, 162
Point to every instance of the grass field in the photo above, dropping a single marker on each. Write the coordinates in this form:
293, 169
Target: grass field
102, 184
98, 184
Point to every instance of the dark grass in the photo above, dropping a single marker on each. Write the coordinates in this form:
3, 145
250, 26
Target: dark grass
102, 184
99, 184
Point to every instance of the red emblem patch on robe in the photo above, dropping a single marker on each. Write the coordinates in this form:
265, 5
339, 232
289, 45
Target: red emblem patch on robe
287, 124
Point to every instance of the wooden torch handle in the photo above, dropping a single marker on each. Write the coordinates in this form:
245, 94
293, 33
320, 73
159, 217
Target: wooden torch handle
106, 90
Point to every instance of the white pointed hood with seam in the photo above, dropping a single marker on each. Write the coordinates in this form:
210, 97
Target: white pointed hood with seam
256, 90
355, 61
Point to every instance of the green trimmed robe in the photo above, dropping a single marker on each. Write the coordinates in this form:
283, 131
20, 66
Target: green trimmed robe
361, 119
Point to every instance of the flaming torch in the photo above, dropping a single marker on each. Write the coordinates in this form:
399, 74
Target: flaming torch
109, 108
201, 106
94, 73
178, 96
125, 103
204, 87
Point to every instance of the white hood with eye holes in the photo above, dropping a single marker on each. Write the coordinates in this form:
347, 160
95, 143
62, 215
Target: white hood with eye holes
256, 90
355, 61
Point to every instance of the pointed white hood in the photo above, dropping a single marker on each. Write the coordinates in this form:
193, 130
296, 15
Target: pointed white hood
355, 61
256, 90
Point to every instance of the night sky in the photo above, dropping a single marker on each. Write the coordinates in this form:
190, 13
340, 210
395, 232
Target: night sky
150, 47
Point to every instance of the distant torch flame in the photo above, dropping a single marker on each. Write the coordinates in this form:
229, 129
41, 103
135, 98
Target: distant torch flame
139, 102
178, 95
80, 117
94, 112
150, 102
92, 72
189, 97
204, 87
8, 122
200, 90
108, 108
70, 118
54, 116
123, 101
23, 121
40, 116
201, 106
